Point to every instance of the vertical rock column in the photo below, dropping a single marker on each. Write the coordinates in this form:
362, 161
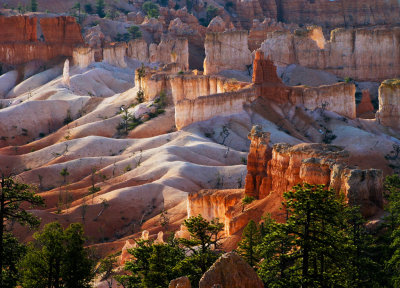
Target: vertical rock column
257, 161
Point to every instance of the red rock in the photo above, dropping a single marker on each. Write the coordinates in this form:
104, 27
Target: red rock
365, 109
63, 29
18, 28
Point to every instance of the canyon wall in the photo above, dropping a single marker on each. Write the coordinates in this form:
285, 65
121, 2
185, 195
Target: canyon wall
83, 56
339, 98
19, 41
287, 165
179, 86
226, 51
114, 54
18, 28
346, 54
339, 13
389, 104
215, 204
170, 50
206, 107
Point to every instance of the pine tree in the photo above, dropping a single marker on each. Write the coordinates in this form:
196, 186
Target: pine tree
251, 237
34, 5
12, 196
100, 5
57, 258
13, 251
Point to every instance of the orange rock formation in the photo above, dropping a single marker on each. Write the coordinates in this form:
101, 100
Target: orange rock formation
19, 43
277, 172
365, 109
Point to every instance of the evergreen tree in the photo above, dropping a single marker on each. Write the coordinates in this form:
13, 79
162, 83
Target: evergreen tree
150, 9
100, 5
12, 195
57, 259
251, 237
202, 245
34, 5
13, 251
154, 265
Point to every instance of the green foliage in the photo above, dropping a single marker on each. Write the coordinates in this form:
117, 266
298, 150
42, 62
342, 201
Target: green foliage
100, 8
211, 12
348, 80
34, 5
247, 247
151, 9
57, 258
12, 196
140, 96
134, 32
88, 8
13, 251
203, 245
322, 244
154, 265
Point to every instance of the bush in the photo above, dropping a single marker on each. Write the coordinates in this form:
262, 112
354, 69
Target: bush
151, 9
88, 8
135, 32
140, 96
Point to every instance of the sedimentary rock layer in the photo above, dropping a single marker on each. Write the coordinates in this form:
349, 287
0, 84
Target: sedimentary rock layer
314, 164
226, 51
346, 54
389, 104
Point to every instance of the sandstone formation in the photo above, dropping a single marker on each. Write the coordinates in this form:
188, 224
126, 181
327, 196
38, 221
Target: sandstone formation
230, 270
346, 54
310, 163
365, 109
83, 56
181, 282
114, 54
62, 29
213, 204
66, 80
389, 104
178, 86
337, 13
339, 98
169, 50
206, 107
226, 51
18, 28
257, 160
259, 31
19, 43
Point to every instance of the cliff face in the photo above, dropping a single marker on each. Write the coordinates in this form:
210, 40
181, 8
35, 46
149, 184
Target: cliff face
186, 86
346, 54
257, 161
19, 42
169, 50
206, 107
339, 13
63, 29
18, 28
215, 204
339, 98
389, 104
114, 54
226, 51
83, 56
289, 165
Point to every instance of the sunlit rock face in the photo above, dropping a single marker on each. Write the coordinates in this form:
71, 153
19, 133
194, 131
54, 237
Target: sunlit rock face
287, 166
19, 43
225, 49
230, 270
347, 53
389, 104
83, 56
